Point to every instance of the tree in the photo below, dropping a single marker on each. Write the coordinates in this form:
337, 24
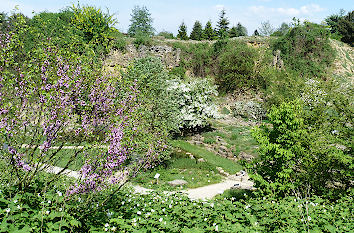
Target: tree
197, 31
282, 30
222, 28
141, 22
208, 33
239, 30
346, 28
256, 33
332, 21
182, 32
266, 29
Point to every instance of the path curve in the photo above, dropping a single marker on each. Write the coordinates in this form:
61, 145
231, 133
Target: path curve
205, 192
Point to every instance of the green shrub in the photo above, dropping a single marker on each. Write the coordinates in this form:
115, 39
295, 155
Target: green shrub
306, 50
142, 39
236, 67
301, 154
151, 78
57, 27
96, 25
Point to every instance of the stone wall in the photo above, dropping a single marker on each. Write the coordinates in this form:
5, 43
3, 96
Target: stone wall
169, 56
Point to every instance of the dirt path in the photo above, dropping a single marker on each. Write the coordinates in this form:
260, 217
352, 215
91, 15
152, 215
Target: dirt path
205, 192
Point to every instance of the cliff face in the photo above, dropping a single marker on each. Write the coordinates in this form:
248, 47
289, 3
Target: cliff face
169, 56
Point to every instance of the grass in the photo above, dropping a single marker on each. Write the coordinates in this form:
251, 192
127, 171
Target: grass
237, 136
197, 174
198, 152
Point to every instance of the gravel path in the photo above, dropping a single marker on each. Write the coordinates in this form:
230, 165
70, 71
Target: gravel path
205, 192
209, 191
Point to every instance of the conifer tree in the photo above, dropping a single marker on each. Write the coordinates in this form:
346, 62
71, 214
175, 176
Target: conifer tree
223, 25
208, 33
182, 32
141, 22
197, 31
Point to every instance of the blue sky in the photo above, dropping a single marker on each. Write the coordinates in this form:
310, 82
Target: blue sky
168, 14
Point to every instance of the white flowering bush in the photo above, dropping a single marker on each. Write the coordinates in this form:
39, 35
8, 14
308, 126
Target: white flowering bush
249, 109
195, 100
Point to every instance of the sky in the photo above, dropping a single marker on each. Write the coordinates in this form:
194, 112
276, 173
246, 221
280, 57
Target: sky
169, 14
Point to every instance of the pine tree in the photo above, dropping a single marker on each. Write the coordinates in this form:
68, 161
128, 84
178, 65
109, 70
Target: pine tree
141, 22
208, 33
239, 30
197, 31
182, 32
223, 25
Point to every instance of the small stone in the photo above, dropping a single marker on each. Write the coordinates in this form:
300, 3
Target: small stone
223, 148
177, 183
201, 160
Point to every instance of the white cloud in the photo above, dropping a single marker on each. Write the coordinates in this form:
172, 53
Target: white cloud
219, 7
304, 10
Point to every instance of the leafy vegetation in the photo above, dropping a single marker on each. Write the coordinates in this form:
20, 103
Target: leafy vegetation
121, 125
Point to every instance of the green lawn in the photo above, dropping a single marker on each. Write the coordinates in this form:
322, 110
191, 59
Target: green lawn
197, 174
228, 165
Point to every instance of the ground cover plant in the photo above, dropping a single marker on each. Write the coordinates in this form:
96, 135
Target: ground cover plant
61, 109
181, 167
199, 152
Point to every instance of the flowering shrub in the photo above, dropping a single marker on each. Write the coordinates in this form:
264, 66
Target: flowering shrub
43, 98
194, 100
249, 109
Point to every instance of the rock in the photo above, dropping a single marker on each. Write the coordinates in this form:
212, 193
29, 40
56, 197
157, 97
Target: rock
223, 148
245, 156
198, 143
201, 160
177, 183
222, 172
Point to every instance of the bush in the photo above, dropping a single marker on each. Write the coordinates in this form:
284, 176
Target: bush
151, 78
306, 49
236, 67
96, 25
301, 152
142, 39
57, 27
194, 100
249, 109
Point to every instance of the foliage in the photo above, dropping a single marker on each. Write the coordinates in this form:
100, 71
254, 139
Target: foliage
236, 67
222, 28
96, 25
282, 30
179, 166
249, 109
298, 153
346, 28
306, 50
194, 100
197, 31
142, 39
237, 31
281, 86
166, 35
256, 33
228, 165
140, 22
266, 29
44, 98
182, 32
208, 32
58, 27
160, 110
